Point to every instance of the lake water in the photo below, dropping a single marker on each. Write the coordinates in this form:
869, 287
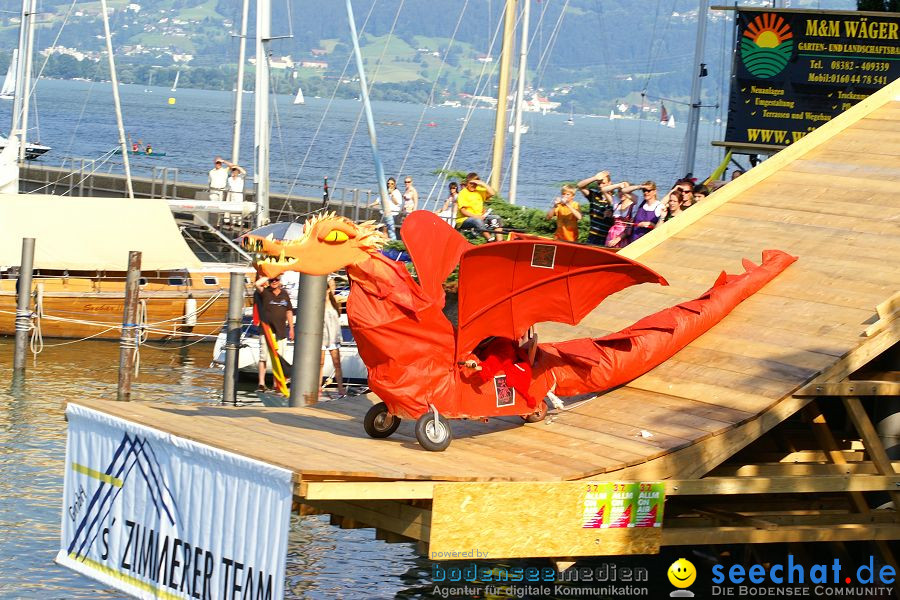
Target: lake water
76, 118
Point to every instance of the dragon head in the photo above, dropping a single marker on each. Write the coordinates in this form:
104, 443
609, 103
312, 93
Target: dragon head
329, 243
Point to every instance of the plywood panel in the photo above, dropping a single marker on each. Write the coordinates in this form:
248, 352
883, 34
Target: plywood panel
526, 520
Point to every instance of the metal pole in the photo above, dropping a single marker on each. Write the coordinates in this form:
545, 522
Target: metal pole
506, 52
517, 110
261, 111
239, 91
115, 87
20, 72
370, 123
26, 78
23, 300
305, 370
233, 336
693, 128
128, 341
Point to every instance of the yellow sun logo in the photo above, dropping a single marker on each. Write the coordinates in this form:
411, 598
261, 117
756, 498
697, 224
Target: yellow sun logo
766, 45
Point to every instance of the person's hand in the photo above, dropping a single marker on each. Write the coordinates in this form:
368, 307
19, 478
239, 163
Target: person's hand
601, 175
291, 334
557, 201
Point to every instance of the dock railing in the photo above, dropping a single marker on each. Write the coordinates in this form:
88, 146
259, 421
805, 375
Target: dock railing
76, 176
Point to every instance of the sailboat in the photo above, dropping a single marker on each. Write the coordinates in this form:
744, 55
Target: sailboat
298, 99
665, 118
175, 85
8, 92
149, 83
571, 119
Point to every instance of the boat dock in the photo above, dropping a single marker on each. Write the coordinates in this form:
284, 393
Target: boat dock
762, 430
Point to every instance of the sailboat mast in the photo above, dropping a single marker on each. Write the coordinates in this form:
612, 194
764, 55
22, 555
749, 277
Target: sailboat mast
693, 125
370, 123
239, 90
115, 88
26, 78
19, 74
506, 51
517, 110
261, 114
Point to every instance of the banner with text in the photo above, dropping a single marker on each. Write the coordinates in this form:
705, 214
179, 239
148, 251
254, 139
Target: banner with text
794, 71
158, 516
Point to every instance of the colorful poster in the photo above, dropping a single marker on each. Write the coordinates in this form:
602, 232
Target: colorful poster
623, 497
795, 70
155, 515
650, 503
596, 506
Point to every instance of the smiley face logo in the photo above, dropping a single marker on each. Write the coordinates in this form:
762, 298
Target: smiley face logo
682, 573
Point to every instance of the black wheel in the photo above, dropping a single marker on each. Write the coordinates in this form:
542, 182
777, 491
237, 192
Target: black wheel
538, 415
379, 423
433, 435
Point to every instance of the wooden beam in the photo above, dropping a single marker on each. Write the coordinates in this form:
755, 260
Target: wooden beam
390, 516
772, 469
781, 485
368, 490
711, 517
858, 357
849, 388
801, 533
870, 438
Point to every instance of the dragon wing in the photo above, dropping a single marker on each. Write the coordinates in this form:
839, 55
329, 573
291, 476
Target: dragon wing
505, 288
435, 248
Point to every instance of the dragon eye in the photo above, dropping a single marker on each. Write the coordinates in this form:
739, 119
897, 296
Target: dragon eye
335, 236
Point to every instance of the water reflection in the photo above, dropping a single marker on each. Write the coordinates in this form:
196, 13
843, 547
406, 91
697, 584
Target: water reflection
322, 562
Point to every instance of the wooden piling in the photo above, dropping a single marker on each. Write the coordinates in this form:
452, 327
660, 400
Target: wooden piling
128, 341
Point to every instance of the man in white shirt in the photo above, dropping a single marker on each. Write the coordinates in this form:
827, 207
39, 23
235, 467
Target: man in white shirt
218, 179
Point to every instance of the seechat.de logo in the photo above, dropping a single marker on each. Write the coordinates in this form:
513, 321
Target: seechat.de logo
682, 575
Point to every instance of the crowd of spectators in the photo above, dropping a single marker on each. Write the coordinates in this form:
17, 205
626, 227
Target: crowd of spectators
618, 213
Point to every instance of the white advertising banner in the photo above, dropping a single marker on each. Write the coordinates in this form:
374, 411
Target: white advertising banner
158, 516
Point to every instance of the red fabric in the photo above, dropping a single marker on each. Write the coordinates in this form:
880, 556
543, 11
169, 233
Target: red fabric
503, 356
435, 249
593, 365
403, 338
505, 288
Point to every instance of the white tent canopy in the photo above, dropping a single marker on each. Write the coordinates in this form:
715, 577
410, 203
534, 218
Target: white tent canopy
91, 234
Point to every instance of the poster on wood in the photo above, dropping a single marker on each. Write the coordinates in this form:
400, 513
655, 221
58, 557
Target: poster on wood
155, 515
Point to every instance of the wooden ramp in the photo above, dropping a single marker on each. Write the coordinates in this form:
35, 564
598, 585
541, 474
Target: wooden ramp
829, 199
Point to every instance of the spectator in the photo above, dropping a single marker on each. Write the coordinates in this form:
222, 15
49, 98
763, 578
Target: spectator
601, 205
565, 211
235, 184
674, 203
410, 196
621, 228
275, 310
686, 187
737, 173
470, 212
218, 178
700, 193
331, 335
395, 203
448, 210
648, 213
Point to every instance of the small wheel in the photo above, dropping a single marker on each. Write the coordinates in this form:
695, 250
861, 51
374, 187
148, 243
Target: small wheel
433, 435
379, 423
538, 415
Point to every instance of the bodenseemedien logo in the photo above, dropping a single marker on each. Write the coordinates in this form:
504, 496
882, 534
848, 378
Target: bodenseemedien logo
766, 45
682, 574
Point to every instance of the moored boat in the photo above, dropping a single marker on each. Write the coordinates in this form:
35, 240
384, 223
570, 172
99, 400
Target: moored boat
81, 252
